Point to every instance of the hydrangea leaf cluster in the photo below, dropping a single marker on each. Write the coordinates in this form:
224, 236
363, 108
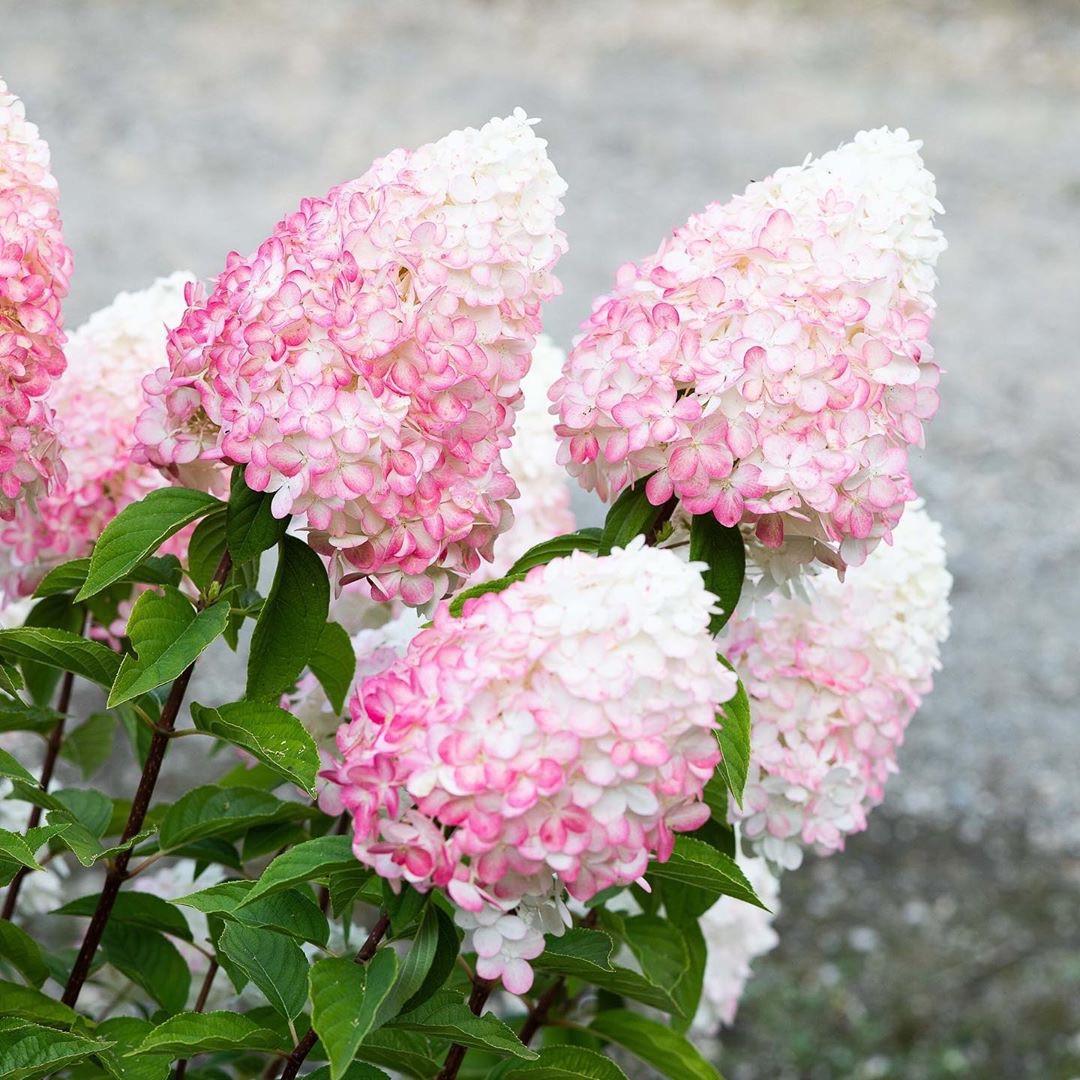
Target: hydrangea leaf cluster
554, 736
834, 679
35, 268
364, 364
770, 363
96, 404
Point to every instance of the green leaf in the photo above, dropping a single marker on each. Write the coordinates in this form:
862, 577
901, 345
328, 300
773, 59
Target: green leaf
273, 962
345, 1000
18, 716
167, 634
251, 527
433, 966
290, 623
11, 682
205, 548
333, 663
142, 910
30, 1051
356, 1071
313, 860
61, 649
721, 547
447, 1015
22, 952
91, 809
156, 570
457, 605
566, 1063
90, 745
734, 739
190, 1033
702, 866
663, 952
404, 1052
139, 530
630, 515
656, 1044
149, 960
210, 811
57, 613
31, 1004
126, 1032
14, 848
274, 736
10, 768
556, 548
291, 912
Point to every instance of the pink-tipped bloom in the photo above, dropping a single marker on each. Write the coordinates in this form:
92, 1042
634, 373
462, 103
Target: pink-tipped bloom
834, 681
556, 735
35, 266
96, 404
769, 364
364, 364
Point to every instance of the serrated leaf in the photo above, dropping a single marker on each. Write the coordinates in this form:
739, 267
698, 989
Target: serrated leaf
333, 663
71, 576
273, 962
698, 864
126, 1032
57, 613
149, 960
630, 515
722, 549
565, 1063
91, 809
205, 548
457, 605
30, 1004
22, 952
352, 883
274, 736
138, 909
61, 649
90, 745
191, 1033
10, 768
345, 1000
167, 635
556, 548
734, 739
291, 912
209, 811
30, 1051
656, 1044
18, 716
252, 527
11, 682
404, 1052
446, 1015
14, 848
310, 861
661, 951
356, 1071
290, 623
139, 530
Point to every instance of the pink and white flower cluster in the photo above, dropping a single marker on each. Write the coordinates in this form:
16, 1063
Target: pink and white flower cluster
770, 363
542, 508
35, 267
96, 404
555, 735
736, 934
364, 365
834, 681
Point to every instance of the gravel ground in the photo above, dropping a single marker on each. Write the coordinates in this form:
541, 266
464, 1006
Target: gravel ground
180, 131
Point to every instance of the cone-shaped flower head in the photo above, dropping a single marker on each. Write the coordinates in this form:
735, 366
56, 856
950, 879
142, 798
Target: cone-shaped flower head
35, 266
833, 682
96, 404
364, 364
770, 362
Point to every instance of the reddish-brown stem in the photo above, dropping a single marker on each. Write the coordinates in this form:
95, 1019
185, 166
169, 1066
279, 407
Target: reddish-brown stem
324, 890
139, 806
52, 752
481, 990
304, 1046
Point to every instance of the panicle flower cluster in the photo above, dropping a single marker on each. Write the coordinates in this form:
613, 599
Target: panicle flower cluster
736, 934
554, 735
834, 681
364, 365
542, 508
96, 404
770, 363
35, 267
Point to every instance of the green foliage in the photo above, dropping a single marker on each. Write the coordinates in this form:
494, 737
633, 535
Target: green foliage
28, 1051
151, 961
89, 745
62, 650
333, 663
697, 864
19, 950
139, 910
721, 547
631, 515
559, 546
565, 1063
457, 605
447, 1015
191, 1033
734, 738
272, 961
251, 528
313, 860
671, 1053
70, 577
139, 530
290, 912
219, 812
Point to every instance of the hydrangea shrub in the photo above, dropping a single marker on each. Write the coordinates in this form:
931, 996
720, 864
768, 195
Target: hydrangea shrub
489, 795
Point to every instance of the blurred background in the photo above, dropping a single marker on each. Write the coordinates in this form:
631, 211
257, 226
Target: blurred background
946, 940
